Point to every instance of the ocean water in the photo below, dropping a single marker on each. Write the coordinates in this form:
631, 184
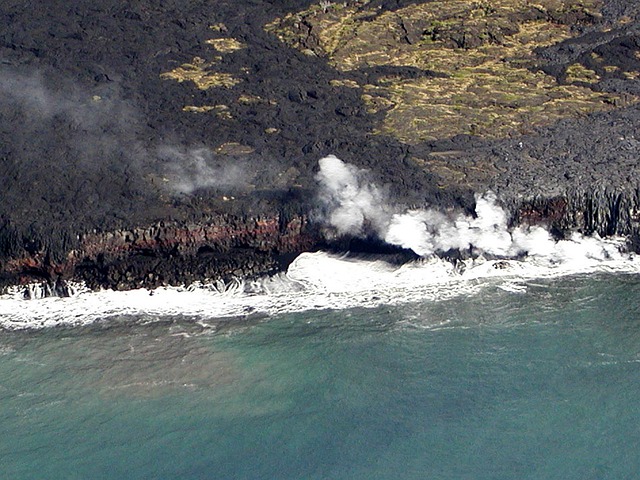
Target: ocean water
497, 377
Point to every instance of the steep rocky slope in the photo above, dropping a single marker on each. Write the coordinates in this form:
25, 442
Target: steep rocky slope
162, 141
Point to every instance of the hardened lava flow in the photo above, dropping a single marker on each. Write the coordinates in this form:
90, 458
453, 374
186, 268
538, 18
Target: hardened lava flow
166, 142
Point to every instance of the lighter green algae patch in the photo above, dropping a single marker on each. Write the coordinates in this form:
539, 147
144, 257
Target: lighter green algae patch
477, 57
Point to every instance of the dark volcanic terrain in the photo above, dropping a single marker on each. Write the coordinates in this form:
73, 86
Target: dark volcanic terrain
153, 142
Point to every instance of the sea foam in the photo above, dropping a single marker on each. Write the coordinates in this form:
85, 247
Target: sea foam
319, 281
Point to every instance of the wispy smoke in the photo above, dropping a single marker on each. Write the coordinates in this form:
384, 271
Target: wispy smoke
48, 115
30, 92
69, 152
190, 169
95, 141
351, 203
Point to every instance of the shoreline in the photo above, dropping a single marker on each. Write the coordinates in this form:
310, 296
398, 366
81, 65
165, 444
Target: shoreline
226, 246
316, 281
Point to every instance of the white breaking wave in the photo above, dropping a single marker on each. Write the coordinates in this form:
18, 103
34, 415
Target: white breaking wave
317, 281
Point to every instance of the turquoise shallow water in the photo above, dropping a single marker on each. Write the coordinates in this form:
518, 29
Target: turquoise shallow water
541, 384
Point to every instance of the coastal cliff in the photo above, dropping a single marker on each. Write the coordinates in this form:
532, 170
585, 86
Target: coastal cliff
220, 247
163, 143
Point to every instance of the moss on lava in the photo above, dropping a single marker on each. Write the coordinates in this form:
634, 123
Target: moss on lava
199, 72
486, 80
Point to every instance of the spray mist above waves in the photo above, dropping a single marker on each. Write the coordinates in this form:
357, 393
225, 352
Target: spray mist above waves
352, 204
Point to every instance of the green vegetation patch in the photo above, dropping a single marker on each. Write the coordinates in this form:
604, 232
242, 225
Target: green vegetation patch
577, 73
483, 51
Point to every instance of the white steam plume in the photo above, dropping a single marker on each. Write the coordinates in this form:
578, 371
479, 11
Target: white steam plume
350, 200
351, 203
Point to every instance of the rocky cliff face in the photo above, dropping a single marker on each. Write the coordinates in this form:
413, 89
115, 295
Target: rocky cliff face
601, 212
164, 142
221, 247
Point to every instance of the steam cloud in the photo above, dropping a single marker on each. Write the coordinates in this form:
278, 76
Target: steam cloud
195, 168
353, 204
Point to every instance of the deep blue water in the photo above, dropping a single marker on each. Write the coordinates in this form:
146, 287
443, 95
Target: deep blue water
542, 384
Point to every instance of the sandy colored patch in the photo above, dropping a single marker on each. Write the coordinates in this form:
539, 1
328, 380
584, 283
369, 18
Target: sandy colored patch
339, 82
199, 72
195, 109
234, 148
221, 111
225, 45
